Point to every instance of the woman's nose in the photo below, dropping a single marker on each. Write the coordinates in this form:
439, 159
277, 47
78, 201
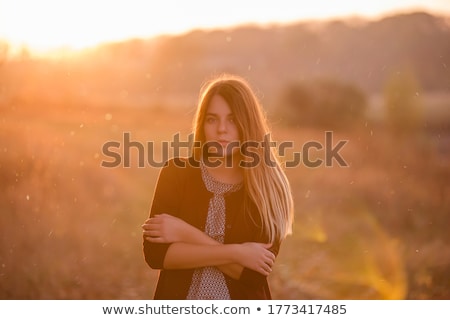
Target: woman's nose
222, 126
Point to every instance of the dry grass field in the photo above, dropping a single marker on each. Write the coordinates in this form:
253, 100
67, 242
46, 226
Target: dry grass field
70, 228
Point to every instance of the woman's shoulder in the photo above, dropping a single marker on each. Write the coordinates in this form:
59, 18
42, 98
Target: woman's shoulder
178, 172
180, 166
179, 163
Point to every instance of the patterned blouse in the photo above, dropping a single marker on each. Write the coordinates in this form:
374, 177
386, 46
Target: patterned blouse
209, 283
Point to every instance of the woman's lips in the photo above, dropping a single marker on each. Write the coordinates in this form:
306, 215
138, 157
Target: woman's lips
223, 142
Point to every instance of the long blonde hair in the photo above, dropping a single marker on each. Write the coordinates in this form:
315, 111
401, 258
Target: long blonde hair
266, 185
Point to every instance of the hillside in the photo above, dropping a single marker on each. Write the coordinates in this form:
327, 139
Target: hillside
377, 228
168, 70
361, 53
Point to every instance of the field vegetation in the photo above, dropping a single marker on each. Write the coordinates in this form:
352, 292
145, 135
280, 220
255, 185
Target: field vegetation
375, 229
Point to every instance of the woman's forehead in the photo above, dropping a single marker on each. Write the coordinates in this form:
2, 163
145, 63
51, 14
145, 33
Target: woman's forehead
219, 106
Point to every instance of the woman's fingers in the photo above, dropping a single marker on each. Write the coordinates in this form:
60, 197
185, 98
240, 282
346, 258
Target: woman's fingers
152, 229
155, 239
265, 270
152, 233
152, 223
258, 257
270, 258
149, 228
268, 261
163, 228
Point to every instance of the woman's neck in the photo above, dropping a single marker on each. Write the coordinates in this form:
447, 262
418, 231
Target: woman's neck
226, 172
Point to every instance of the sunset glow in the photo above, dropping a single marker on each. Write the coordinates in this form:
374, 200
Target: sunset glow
50, 24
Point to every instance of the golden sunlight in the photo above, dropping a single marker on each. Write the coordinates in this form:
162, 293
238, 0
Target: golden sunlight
48, 24
54, 24
94, 102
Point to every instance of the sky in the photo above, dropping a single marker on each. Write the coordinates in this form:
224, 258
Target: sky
43, 25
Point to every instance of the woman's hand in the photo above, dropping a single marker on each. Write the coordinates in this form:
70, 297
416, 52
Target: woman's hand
164, 228
256, 256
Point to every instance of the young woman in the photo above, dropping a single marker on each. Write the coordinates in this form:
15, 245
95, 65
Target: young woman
218, 218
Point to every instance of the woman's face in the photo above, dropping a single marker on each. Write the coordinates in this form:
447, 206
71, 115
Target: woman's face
220, 128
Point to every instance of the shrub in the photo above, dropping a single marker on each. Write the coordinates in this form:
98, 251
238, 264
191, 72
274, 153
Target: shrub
402, 102
324, 102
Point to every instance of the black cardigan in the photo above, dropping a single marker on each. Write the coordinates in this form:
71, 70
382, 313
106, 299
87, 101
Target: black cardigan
180, 191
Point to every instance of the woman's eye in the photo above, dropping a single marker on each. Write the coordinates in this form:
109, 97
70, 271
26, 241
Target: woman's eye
210, 120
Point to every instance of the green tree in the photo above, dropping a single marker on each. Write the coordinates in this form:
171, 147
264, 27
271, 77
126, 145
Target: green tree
324, 102
402, 102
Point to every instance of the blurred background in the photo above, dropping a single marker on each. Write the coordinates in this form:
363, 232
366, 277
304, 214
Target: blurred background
75, 75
